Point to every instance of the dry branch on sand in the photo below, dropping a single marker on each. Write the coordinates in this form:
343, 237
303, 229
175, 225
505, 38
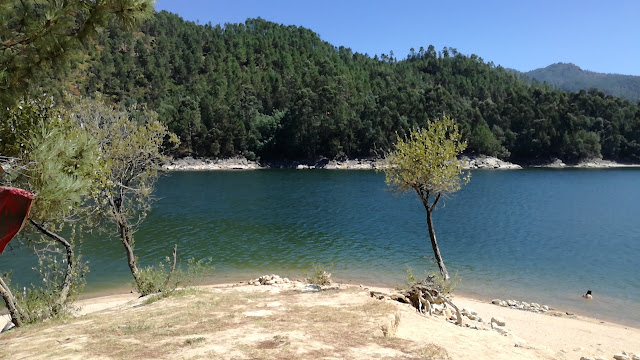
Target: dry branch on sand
425, 299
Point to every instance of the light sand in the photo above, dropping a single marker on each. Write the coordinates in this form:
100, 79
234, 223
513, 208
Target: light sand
258, 328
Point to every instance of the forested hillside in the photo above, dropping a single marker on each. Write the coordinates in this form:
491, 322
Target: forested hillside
570, 77
261, 89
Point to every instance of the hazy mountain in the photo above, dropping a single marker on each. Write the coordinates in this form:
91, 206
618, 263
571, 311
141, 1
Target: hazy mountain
570, 77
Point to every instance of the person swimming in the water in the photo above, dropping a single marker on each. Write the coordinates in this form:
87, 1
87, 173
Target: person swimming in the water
588, 295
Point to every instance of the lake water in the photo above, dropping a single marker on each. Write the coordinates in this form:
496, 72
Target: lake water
538, 235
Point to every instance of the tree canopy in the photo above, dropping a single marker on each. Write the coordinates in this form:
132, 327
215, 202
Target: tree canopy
39, 37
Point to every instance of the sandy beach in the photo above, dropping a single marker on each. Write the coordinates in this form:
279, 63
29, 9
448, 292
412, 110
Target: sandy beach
294, 320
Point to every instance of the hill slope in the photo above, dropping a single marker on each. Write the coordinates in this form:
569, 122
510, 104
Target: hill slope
570, 77
262, 89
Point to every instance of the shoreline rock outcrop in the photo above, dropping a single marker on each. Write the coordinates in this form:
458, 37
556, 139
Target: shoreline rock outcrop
470, 162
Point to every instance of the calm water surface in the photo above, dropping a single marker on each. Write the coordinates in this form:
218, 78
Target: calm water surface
542, 235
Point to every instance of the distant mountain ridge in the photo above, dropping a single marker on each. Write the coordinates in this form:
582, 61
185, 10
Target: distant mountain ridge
570, 77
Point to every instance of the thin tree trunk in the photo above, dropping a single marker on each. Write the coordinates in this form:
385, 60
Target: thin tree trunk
432, 237
173, 267
10, 301
127, 241
68, 276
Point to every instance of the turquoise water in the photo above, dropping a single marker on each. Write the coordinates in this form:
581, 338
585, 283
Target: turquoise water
538, 235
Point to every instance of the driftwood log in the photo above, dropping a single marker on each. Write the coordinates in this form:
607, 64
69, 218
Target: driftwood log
421, 297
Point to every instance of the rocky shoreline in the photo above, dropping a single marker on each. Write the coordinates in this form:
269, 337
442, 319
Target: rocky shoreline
470, 162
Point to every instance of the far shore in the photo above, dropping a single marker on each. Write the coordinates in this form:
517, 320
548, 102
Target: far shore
471, 162
291, 319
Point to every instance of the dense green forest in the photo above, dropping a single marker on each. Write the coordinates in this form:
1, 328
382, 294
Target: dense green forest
270, 91
570, 77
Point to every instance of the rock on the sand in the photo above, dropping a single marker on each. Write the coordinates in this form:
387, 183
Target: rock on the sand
8, 327
622, 357
498, 321
269, 280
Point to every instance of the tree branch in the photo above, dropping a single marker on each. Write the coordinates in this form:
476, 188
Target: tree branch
435, 202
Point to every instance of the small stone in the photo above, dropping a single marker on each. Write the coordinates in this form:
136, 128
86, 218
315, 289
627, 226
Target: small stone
447, 313
498, 321
545, 308
585, 358
525, 304
503, 303
496, 301
469, 311
501, 330
535, 305
511, 302
8, 326
635, 357
622, 356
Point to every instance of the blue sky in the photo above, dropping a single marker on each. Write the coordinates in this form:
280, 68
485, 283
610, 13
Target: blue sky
601, 36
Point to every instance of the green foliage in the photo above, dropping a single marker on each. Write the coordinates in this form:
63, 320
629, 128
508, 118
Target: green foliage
433, 280
425, 160
319, 275
39, 37
409, 279
154, 277
438, 282
57, 159
42, 302
131, 144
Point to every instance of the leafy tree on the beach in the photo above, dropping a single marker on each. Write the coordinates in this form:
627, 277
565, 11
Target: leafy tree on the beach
131, 152
425, 161
56, 161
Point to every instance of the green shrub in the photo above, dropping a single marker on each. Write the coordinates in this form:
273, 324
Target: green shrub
158, 279
436, 281
319, 275
37, 303
433, 280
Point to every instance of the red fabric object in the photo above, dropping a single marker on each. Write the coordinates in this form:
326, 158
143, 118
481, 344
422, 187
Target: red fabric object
14, 212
